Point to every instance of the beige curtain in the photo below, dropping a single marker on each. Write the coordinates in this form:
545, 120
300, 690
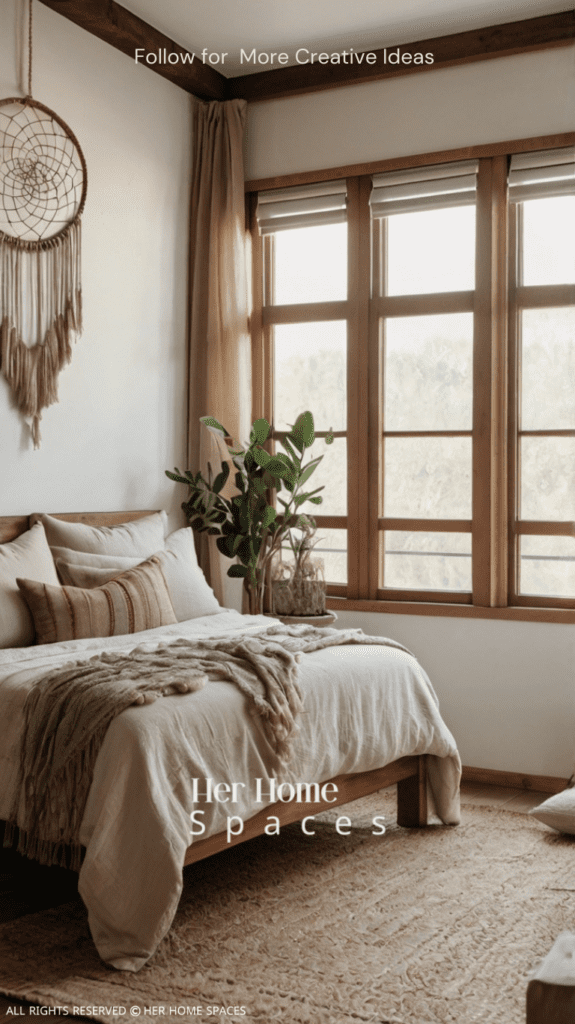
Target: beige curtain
219, 342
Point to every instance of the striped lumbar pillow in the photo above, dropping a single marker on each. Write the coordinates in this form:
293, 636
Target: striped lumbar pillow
136, 600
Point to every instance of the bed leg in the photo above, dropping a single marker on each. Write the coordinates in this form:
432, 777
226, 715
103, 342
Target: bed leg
412, 798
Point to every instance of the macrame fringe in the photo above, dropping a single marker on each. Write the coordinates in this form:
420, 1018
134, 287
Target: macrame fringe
40, 296
54, 806
52, 853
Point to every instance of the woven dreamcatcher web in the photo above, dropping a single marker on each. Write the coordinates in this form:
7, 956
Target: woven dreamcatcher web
43, 181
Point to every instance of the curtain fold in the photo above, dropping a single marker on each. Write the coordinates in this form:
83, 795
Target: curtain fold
219, 366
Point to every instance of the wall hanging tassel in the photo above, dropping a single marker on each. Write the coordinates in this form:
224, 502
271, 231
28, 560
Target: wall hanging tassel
43, 183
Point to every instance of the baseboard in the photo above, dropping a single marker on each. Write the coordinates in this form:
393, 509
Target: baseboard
516, 780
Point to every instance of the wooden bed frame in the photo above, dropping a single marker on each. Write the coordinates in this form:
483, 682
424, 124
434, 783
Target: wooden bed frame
408, 773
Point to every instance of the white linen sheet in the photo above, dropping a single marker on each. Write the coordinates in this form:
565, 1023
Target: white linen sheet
364, 707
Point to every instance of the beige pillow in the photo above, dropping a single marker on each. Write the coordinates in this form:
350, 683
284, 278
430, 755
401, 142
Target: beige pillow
112, 564
139, 538
189, 591
28, 555
136, 600
558, 811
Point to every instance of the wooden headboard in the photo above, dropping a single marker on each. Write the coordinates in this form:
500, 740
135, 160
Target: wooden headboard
12, 526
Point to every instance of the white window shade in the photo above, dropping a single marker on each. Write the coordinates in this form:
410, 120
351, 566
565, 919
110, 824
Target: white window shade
424, 188
302, 206
542, 174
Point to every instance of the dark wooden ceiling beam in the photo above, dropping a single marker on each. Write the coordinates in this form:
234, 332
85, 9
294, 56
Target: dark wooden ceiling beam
462, 48
112, 23
107, 20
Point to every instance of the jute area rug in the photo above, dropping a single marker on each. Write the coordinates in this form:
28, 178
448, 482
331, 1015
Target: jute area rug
428, 926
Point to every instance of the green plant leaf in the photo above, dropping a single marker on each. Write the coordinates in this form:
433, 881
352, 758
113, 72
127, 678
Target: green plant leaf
221, 478
269, 515
309, 469
308, 497
260, 431
259, 485
176, 477
296, 440
244, 551
288, 463
261, 457
212, 424
285, 442
316, 501
303, 428
238, 571
329, 436
278, 468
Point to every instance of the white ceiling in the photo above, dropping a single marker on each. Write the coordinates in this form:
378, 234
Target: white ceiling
331, 25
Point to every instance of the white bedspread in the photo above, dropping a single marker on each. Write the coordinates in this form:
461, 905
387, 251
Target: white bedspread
365, 707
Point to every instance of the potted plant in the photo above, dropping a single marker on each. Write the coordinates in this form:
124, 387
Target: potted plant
298, 587
248, 527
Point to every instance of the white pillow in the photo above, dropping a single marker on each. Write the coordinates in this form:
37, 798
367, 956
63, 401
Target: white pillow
558, 811
190, 594
113, 564
27, 556
140, 538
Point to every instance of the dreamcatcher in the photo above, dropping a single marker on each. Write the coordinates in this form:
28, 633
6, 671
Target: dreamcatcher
43, 179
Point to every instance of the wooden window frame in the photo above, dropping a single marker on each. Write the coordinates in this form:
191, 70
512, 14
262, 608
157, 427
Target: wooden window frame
496, 303
384, 308
523, 297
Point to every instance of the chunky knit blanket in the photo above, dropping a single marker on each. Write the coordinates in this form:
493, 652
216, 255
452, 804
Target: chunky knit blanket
68, 712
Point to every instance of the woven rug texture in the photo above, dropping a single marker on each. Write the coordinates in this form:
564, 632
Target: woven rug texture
423, 926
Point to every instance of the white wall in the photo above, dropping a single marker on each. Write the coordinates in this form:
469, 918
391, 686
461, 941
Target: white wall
490, 101
506, 688
120, 421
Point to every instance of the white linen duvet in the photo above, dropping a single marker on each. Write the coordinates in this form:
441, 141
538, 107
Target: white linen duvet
365, 706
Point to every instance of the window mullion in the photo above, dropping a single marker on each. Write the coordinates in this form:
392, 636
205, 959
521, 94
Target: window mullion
490, 389
500, 364
376, 392
358, 191
261, 383
514, 385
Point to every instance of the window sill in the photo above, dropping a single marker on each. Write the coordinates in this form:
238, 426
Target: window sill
459, 611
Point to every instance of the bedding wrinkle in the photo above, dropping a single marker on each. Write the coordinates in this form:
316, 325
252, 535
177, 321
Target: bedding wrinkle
359, 713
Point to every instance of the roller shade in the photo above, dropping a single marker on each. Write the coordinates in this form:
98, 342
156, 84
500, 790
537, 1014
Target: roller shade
424, 188
542, 174
302, 206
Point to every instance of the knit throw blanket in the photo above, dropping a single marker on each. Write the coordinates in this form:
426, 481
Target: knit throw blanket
68, 712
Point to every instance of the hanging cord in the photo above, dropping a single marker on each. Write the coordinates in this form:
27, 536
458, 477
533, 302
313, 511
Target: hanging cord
29, 96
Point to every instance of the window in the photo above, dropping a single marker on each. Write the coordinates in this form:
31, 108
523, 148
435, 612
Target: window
427, 315
542, 337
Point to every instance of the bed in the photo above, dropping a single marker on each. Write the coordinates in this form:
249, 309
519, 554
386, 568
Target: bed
370, 720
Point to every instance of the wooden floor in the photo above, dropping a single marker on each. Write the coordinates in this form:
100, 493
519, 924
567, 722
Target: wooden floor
26, 888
